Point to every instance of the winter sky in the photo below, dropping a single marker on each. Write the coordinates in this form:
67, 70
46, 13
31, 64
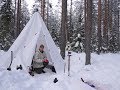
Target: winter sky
31, 2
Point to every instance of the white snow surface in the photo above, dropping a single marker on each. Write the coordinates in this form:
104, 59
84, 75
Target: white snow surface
103, 73
2, 52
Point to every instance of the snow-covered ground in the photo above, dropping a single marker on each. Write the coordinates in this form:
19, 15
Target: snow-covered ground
1, 52
104, 74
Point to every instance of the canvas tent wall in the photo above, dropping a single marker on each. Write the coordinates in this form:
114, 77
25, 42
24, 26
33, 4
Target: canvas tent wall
29, 40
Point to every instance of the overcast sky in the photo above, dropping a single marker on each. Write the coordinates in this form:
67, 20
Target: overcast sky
31, 2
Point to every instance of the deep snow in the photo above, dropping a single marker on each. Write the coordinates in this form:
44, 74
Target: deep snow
103, 74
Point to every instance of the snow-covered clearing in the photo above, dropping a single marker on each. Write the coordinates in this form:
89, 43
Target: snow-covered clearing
104, 74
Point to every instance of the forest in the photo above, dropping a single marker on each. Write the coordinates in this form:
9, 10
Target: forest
59, 44
83, 25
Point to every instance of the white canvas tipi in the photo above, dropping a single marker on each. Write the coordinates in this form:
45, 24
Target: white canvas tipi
32, 36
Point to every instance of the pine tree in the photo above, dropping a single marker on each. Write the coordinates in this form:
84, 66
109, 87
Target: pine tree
18, 17
63, 28
105, 27
88, 30
43, 9
99, 27
94, 27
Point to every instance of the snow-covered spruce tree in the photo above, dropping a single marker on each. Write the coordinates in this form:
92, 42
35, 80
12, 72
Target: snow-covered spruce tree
77, 28
77, 45
6, 28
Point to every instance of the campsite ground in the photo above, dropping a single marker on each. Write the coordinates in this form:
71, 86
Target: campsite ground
104, 74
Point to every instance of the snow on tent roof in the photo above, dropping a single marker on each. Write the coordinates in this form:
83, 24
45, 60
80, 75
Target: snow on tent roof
32, 36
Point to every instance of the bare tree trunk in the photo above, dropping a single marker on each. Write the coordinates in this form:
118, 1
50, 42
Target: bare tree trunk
99, 27
110, 25
43, 9
15, 31
118, 28
63, 28
119, 23
70, 28
110, 17
18, 16
47, 12
85, 9
88, 31
105, 25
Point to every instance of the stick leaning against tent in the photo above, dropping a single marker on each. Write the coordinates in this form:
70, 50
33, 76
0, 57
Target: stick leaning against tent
9, 68
20, 67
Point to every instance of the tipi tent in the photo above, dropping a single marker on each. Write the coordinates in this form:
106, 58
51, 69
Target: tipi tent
32, 36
